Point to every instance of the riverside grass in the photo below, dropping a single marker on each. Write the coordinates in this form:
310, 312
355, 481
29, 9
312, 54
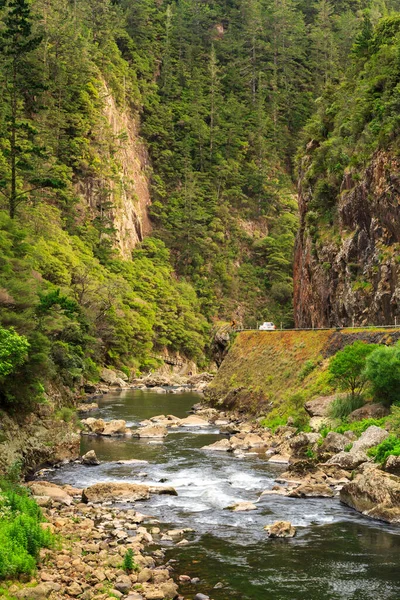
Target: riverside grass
21, 532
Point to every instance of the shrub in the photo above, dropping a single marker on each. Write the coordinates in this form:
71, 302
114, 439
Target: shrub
307, 368
358, 427
129, 564
273, 423
21, 534
13, 351
383, 371
348, 365
390, 446
342, 407
393, 420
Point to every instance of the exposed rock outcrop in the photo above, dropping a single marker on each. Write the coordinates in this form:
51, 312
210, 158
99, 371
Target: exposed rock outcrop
353, 276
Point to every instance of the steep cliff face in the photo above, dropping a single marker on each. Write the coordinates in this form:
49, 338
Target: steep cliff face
349, 272
121, 190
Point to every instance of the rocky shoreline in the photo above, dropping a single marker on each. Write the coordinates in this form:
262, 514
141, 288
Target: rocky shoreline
99, 524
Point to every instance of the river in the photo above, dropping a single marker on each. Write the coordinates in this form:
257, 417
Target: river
336, 555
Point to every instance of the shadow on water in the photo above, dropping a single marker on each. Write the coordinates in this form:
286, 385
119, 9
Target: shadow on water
337, 555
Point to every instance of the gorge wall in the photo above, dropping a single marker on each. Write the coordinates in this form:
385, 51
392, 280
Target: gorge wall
354, 275
122, 185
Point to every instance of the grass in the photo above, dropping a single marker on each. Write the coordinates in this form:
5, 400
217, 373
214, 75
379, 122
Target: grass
342, 407
275, 373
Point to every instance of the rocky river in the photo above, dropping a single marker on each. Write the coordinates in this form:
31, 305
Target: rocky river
336, 555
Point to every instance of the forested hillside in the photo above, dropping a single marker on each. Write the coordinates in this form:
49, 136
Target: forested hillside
195, 106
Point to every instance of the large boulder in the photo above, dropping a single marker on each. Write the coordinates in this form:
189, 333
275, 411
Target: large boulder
320, 406
115, 427
92, 425
152, 431
247, 441
280, 529
108, 376
371, 437
369, 411
375, 494
50, 490
348, 460
115, 492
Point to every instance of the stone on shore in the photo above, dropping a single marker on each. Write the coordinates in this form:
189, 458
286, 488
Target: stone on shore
115, 492
50, 490
334, 443
369, 411
348, 460
320, 406
279, 459
280, 529
392, 465
375, 494
371, 437
93, 425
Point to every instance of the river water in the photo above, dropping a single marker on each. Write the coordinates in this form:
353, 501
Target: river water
336, 555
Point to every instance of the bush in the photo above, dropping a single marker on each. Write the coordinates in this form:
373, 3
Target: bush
393, 420
348, 365
129, 564
390, 446
273, 423
358, 427
383, 371
342, 407
13, 351
21, 534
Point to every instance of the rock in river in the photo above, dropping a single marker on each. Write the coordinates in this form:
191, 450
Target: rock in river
223, 445
280, 529
90, 459
308, 490
152, 431
242, 507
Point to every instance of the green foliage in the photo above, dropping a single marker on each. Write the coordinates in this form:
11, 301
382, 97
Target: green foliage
21, 534
308, 368
383, 371
129, 564
389, 446
273, 423
348, 365
342, 407
13, 351
358, 427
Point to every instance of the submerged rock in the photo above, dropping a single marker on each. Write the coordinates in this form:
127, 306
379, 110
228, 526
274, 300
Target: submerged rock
280, 529
242, 507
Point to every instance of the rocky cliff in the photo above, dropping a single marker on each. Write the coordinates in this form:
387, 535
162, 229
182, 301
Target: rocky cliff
348, 271
121, 189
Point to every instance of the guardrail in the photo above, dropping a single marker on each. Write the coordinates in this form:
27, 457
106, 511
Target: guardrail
396, 326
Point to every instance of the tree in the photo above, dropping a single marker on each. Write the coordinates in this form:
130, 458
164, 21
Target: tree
13, 351
347, 367
24, 153
383, 371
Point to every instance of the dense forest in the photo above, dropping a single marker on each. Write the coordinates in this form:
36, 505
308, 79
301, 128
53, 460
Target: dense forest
222, 90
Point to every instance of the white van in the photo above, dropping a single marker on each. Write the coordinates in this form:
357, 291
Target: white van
267, 327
